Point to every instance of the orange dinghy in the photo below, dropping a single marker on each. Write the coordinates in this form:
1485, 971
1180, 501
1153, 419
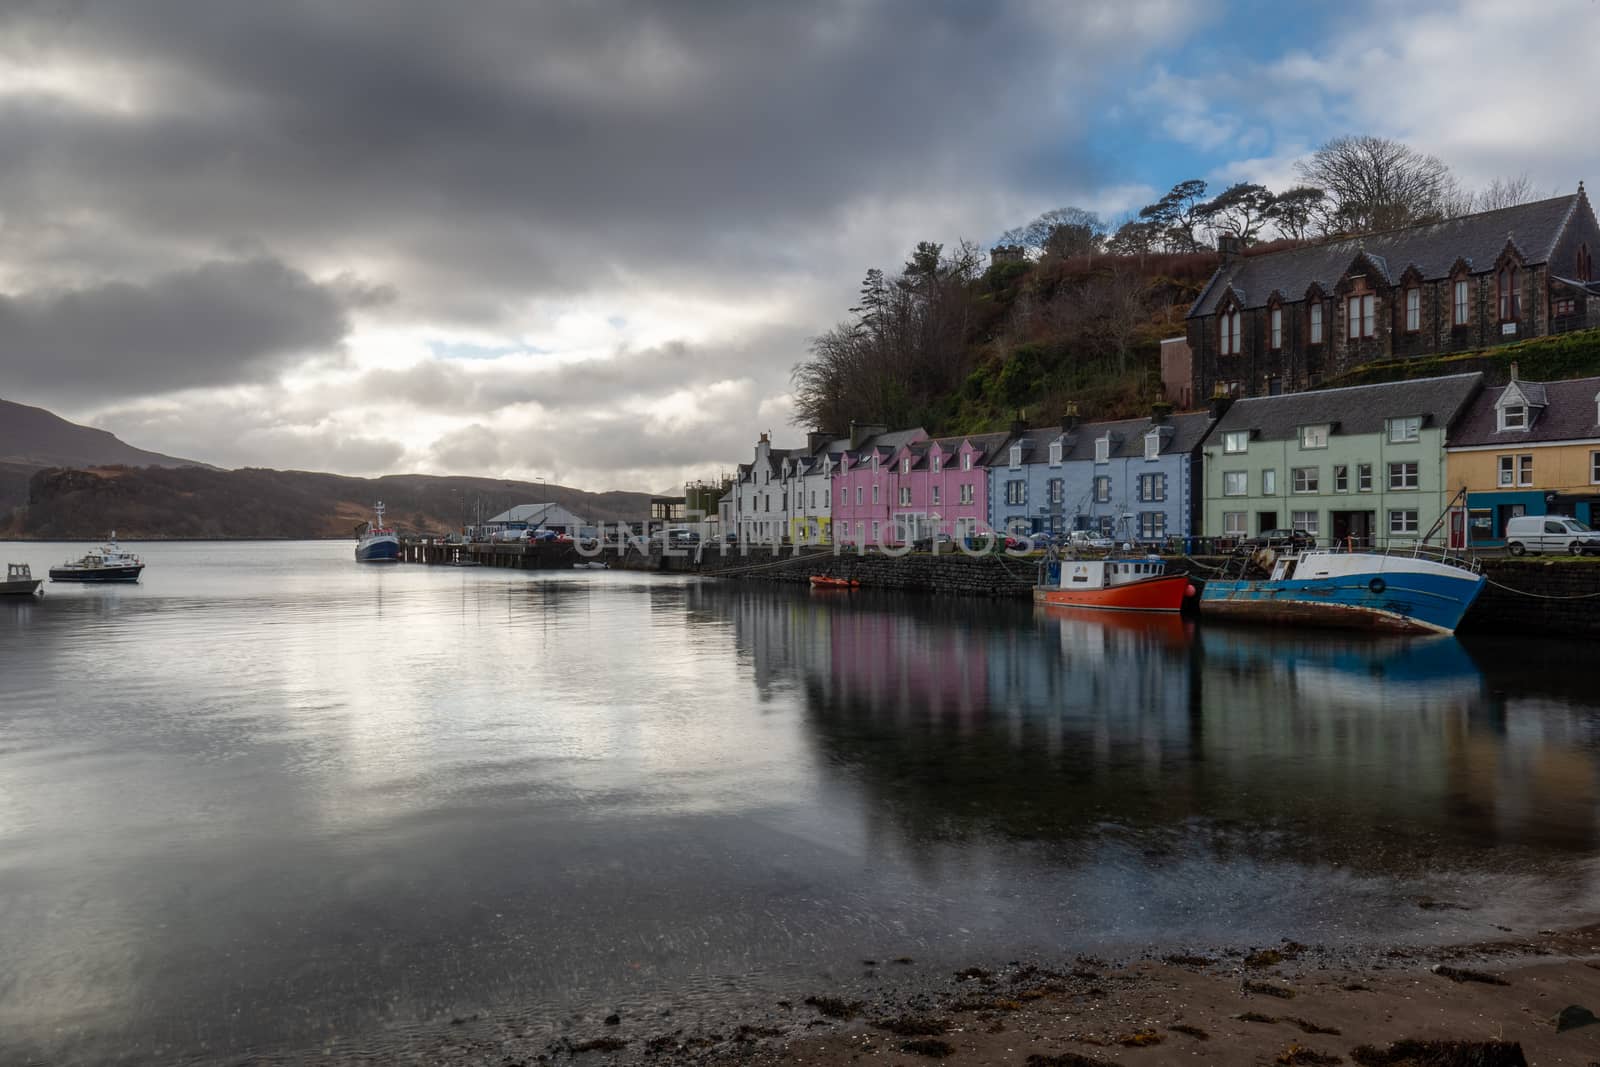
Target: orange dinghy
828, 581
1113, 585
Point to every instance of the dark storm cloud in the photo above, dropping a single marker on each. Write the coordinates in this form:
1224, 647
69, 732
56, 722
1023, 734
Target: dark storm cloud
491, 150
218, 324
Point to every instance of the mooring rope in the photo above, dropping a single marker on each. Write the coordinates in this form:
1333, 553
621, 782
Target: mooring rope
1539, 596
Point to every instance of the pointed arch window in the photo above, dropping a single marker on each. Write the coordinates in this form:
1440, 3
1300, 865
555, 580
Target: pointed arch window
1315, 324
1230, 332
1275, 321
1509, 303
1584, 267
1413, 309
1461, 302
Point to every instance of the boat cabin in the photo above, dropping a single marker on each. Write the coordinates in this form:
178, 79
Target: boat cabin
18, 572
1101, 573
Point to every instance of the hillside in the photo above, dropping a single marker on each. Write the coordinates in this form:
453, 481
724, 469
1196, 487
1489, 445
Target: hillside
34, 437
194, 502
1539, 359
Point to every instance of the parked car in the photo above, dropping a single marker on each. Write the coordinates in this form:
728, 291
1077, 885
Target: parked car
1550, 533
925, 544
1279, 539
1089, 539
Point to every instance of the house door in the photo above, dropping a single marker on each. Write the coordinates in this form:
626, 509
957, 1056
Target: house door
1353, 528
1458, 527
1266, 520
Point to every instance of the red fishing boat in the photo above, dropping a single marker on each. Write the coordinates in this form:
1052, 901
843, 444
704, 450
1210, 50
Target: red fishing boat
828, 581
1131, 584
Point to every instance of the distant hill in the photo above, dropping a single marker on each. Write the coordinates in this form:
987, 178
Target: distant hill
62, 480
196, 502
33, 437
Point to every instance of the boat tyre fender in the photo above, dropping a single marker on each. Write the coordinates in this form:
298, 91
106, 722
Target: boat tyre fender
1377, 585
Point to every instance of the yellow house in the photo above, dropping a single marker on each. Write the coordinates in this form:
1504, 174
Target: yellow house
1525, 448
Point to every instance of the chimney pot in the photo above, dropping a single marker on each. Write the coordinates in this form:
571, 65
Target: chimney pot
1069, 421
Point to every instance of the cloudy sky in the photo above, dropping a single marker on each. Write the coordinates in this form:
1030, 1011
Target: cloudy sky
587, 240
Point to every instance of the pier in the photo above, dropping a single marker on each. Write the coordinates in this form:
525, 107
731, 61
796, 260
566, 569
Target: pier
527, 556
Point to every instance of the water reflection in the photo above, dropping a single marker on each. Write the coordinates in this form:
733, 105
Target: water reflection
268, 800
1388, 756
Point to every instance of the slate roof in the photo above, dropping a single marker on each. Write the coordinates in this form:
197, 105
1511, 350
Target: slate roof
1186, 432
1355, 409
1568, 415
1433, 249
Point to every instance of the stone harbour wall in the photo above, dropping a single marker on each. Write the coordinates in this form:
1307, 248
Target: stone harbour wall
1555, 596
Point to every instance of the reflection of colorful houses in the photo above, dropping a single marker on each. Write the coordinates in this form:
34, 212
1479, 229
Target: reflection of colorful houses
1528, 448
892, 662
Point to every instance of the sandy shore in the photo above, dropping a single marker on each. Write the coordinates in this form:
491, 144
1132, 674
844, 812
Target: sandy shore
1282, 1004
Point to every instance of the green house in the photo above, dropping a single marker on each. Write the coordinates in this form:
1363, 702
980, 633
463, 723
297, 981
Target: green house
1363, 465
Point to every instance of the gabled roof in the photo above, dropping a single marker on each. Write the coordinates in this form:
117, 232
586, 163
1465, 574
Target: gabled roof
536, 515
1569, 414
1432, 248
1356, 409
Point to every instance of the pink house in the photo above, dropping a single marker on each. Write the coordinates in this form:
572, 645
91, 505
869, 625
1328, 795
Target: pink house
888, 494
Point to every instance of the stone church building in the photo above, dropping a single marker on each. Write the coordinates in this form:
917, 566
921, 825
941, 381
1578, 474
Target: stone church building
1280, 322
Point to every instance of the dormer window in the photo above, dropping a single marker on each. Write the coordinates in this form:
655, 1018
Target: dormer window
966, 461
1413, 309
1510, 304
1316, 322
1055, 453
1152, 445
905, 465
1405, 429
1275, 320
874, 462
1016, 456
1514, 417
937, 462
1462, 302
1102, 450
1314, 436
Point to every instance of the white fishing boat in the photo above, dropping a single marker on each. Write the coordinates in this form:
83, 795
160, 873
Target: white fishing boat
108, 563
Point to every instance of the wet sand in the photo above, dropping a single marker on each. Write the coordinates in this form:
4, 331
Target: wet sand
1279, 1004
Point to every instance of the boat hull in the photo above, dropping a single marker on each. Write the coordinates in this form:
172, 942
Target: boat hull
384, 549
1389, 601
1166, 593
824, 581
21, 587
97, 575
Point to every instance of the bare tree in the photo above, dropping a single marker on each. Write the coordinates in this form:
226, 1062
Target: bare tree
1064, 231
1506, 192
1376, 183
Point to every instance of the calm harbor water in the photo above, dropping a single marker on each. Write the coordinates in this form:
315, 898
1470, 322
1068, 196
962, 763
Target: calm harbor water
270, 801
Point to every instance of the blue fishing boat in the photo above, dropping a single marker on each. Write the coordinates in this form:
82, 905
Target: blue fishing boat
108, 563
1400, 591
378, 543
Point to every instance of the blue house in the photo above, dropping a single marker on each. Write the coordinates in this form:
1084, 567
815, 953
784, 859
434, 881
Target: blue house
1136, 480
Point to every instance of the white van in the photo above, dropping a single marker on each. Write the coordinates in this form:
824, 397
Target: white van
1550, 533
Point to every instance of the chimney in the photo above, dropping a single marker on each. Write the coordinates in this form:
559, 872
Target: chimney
1019, 425
1513, 370
855, 435
1220, 402
1229, 247
817, 438
766, 439
1069, 421
1160, 412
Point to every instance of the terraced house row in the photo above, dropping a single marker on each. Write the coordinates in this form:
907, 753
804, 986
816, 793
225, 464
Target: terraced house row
1445, 459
